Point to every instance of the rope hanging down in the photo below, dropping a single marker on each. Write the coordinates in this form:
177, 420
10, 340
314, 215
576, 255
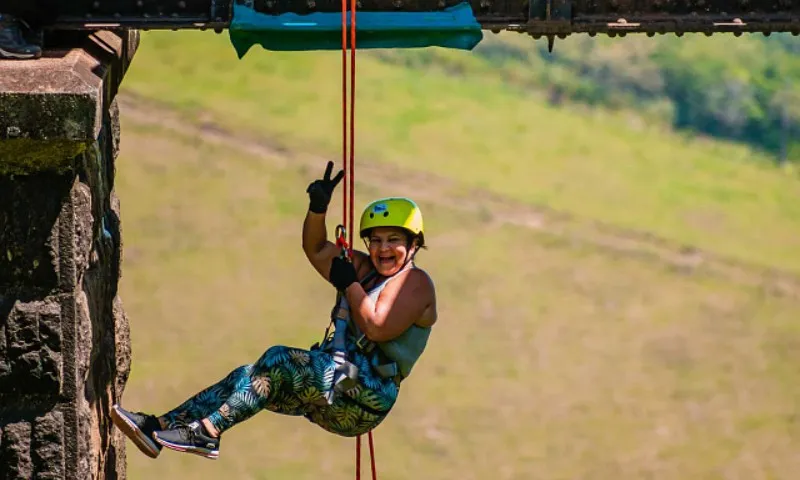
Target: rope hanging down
371, 456
349, 170
347, 206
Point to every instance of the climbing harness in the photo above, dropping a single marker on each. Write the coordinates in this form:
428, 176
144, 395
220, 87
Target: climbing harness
345, 373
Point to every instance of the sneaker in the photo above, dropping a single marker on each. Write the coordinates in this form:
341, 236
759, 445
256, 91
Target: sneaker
139, 427
192, 438
13, 44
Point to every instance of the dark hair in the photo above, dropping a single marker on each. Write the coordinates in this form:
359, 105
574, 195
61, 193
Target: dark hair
420, 237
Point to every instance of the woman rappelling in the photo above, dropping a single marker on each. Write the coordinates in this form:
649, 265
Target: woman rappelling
345, 385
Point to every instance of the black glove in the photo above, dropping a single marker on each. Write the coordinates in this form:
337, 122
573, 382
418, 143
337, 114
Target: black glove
320, 191
343, 273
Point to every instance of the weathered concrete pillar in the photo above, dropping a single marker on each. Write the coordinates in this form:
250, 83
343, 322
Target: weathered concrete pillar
64, 345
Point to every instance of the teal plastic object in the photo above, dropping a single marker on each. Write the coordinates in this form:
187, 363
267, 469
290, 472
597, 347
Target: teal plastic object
455, 27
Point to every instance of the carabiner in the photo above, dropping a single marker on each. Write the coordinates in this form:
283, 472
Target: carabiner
341, 241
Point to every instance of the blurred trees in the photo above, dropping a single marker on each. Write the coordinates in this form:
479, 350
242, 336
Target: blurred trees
744, 88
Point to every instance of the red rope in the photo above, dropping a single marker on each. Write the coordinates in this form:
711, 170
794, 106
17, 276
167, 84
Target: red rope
349, 170
352, 114
372, 456
344, 112
358, 457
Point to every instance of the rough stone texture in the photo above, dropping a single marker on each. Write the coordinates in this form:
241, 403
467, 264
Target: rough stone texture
15, 460
30, 362
54, 100
64, 337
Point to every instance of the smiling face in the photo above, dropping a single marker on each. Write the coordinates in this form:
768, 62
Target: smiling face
388, 249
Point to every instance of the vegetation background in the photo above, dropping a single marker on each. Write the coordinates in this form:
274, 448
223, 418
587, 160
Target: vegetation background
614, 233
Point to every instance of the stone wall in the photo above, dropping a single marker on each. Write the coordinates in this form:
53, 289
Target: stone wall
64, 346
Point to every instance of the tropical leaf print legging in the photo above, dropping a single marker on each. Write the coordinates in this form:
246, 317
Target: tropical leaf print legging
293, 381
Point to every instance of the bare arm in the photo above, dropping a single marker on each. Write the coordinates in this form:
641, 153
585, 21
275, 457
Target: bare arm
402, 303
319, 250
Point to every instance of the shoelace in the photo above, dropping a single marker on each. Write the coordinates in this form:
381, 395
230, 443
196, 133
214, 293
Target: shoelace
186, 431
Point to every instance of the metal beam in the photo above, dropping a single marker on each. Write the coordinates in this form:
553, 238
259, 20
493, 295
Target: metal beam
535, 17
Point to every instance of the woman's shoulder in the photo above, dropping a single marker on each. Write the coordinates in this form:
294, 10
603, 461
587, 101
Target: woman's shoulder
361, 263
424, 284
421, 275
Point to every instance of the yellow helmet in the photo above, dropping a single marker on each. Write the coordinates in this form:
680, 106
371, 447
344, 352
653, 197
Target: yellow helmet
392, 212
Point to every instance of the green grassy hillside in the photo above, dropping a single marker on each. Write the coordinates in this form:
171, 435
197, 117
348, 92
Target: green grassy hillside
557, 356
483, 133
740, 88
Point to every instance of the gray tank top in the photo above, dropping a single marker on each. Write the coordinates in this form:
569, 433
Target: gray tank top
405, 349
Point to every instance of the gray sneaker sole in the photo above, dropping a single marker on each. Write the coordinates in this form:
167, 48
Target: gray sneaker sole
18, 56
203, 452
146, 445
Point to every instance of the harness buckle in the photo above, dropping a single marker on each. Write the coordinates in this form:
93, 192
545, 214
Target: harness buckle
346, 377
341, 313
364, 344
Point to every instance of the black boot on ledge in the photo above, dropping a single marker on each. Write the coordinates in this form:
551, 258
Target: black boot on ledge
13, 44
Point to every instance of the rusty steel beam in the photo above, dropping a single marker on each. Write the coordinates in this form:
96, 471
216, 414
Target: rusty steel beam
535, 17
619, 17
122, 14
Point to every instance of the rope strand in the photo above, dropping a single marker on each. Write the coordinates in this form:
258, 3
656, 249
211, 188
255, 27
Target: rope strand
358, 457
349, 170
372, 456
352, 116
344, 115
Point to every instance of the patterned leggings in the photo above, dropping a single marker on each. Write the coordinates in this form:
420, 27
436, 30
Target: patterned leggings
292, 381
